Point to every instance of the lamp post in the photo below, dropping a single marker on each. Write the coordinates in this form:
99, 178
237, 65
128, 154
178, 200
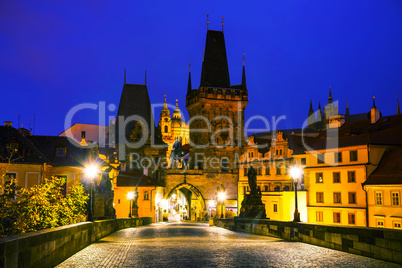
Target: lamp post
91, 171
295, 173
221, 198
130, 197
135, 207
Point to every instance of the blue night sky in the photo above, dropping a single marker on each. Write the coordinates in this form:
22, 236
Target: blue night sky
57, 54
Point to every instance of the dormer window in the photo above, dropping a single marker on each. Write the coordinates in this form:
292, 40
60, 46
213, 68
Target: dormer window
60, 151
12, 146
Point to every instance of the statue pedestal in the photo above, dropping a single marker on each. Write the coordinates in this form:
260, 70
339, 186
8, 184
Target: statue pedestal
252, 207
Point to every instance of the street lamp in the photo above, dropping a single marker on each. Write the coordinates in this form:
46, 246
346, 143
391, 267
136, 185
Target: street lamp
221, 198
91, 171
135, 207
295, 173
130, 197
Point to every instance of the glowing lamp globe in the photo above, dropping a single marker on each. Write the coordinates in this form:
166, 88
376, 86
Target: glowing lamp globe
221, 196
91, 171
130, 195
295, 172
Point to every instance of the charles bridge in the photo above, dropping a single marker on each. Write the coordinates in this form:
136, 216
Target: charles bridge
230, 243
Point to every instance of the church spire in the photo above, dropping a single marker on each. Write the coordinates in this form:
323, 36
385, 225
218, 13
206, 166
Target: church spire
215, 70
398, 110
330, 100
319, 116
189, 79
164, 103
243, 78
311, 110
347, 108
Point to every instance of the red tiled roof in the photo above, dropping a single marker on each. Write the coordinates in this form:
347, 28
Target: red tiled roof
389, 170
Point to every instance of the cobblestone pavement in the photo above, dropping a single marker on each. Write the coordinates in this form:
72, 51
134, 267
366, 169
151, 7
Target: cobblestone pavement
198, 245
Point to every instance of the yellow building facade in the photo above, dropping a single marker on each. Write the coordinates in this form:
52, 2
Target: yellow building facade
340, 161
384, 189
272, 165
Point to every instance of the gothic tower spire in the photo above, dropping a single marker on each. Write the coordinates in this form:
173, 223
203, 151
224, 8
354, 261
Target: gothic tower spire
189, 79
311, 111
347, 108
311, 116
215, 70
319, 115
330, 100
243, 78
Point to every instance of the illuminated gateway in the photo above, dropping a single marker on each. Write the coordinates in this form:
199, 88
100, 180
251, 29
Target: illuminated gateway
216, 110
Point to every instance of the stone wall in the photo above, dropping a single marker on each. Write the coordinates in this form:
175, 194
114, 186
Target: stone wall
49, 247
379, 243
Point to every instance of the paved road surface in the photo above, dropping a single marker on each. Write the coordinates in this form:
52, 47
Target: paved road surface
198, 245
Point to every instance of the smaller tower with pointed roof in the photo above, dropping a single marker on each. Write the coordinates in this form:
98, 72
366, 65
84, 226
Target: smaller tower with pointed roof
165, 122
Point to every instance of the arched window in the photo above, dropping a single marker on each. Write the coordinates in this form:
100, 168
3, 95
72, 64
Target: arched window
166, 129
146, 195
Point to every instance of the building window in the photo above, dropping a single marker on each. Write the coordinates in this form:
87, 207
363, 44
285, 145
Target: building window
337, 217
166, 129
259, 172
351, 176
320, 158
225, 164
338, 157
378, 198
12, 146
266, 188
246, 189
278, 170
320, 197
337, 198
319, 178
337, 177
275, 207
352, 197
267, 170
118, 201
380, 223
397, 225
353, 155
146, 195
60, 151
245, 172
319, 216
352, 218
395, 198
303, 161
280, 152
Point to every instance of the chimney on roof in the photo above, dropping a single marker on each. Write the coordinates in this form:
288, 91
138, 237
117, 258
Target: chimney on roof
374, 113
8, 123
24, 132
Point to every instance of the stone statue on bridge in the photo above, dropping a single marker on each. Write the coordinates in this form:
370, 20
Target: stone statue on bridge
252, 206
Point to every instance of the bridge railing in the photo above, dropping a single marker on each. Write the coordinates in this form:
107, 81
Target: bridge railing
49, 247
379, 243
